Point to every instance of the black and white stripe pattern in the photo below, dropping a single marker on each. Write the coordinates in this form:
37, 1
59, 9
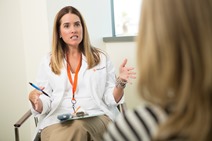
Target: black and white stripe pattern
139, 124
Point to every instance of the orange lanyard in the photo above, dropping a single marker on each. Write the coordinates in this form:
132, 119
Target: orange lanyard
74, 83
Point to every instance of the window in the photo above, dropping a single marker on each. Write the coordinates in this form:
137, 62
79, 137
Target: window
125, 17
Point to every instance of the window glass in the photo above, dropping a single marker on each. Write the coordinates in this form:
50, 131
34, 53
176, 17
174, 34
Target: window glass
126, 15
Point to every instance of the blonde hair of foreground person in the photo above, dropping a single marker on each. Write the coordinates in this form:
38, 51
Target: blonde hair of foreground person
175, 65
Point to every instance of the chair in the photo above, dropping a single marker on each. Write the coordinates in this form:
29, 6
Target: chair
20, 122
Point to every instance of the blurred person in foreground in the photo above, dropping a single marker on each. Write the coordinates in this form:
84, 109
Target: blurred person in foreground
174, 56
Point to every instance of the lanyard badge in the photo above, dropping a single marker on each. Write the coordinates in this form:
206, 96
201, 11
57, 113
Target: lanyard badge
73, 82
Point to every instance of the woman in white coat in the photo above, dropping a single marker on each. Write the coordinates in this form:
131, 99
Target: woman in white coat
76, 76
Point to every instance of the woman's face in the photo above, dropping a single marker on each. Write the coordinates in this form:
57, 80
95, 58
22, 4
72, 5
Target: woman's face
71, 29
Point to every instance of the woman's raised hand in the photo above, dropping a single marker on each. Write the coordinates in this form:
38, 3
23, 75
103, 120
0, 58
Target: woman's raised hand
126, 73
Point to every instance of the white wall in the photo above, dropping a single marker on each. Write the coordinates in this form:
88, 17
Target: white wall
25, 37
13, 99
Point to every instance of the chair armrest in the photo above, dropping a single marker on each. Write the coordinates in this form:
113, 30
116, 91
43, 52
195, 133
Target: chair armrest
23, 119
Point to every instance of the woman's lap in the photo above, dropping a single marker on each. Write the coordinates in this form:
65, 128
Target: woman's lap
88, 129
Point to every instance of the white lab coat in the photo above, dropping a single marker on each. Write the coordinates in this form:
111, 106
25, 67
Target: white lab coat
100, 80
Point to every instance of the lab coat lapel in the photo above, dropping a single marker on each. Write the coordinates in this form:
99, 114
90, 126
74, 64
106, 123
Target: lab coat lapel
61, 82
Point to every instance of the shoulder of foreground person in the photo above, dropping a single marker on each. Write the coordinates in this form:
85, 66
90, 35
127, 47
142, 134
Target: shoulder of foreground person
140, 123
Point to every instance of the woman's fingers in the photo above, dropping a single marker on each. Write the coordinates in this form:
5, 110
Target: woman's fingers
124, 63
34, 97
126, 73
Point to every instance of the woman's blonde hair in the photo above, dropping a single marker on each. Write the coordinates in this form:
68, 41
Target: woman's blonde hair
175, 64
59, 48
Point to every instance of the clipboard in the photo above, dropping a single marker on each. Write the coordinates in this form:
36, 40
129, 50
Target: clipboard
68, 116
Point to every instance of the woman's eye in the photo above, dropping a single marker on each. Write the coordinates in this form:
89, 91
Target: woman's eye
77, 24
66, 26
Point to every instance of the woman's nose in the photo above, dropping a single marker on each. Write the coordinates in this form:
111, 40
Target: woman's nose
72, 29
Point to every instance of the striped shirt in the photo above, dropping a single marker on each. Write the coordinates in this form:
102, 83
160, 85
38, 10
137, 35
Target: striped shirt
139, 124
